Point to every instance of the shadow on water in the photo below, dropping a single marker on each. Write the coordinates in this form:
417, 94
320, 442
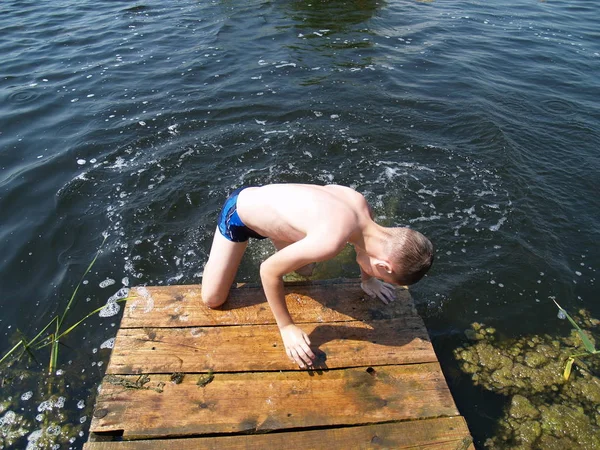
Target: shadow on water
482, 406
336, 16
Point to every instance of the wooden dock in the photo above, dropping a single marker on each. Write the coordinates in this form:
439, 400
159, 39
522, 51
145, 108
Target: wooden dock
182, 376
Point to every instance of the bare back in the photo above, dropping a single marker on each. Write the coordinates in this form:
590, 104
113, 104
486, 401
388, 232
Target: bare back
290, 212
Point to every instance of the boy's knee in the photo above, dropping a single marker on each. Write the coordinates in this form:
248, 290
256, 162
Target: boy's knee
213, 300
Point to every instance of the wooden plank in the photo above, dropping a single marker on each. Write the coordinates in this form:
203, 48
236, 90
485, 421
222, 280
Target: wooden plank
177, 306
446, 433
265, 401
259, 347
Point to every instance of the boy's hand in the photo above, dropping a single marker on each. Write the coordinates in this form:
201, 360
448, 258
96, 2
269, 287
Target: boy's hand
376, 288
297, 345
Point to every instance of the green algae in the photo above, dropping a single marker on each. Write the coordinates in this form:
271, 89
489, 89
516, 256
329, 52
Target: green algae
544, 410
13, 426
47, 413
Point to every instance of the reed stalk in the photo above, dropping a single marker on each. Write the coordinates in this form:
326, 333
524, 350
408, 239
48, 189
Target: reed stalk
52, 339
590, 349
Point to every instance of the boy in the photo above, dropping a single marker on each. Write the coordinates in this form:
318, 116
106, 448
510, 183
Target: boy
307, 224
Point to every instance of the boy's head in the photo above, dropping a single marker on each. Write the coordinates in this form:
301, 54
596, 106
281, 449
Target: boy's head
410, 253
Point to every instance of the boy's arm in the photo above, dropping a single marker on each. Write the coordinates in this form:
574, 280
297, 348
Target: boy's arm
307, 250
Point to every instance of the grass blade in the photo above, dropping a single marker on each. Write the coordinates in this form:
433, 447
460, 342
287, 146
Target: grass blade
28, 344
35, 339
586, 341
54, 351
72, 299
97, 310
11, 351
28, 347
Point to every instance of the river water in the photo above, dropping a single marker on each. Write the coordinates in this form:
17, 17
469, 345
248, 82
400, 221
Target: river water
477, 123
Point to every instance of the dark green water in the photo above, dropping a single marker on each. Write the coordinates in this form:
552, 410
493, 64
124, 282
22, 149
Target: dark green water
477, 124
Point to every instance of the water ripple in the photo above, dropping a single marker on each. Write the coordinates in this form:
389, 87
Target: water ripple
559, 106
23, 95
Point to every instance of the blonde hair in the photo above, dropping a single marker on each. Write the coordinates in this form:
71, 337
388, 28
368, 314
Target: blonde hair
410, 253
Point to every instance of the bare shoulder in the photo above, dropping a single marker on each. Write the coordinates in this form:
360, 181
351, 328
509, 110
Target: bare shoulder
353, 198
344, 191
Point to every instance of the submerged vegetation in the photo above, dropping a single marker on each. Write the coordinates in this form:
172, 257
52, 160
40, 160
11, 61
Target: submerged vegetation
53, 332
46, 410
590, 348
545, 408
55, 422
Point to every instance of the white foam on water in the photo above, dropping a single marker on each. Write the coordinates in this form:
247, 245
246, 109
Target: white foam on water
53, 430
498, 225
106, 283
428, 192
46, 405
9, 418
175, 278
426, 219
109, 343
112, 308
32, 439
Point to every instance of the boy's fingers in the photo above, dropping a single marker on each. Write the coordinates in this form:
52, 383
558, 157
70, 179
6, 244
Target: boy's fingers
390, 292
306, 361
300, 356
297, 359
304, 354
306, 339
289, 354
384, 296
308, 352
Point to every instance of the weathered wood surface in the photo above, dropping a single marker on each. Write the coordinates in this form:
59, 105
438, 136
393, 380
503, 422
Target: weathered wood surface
267, 401
259, 347
181, 306
445, 433
377, 377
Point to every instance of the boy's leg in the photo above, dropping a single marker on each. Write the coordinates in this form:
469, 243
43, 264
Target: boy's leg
220, 269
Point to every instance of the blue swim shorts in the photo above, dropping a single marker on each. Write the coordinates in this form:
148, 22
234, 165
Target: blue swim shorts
230, 224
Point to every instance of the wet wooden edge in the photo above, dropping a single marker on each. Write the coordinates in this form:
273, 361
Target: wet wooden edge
249, 402
311, 301
447, 433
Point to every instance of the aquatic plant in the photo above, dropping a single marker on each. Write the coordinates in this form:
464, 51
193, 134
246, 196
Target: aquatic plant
58, 419
32, 417
13, 426
542, 409
52, 338
590, 348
